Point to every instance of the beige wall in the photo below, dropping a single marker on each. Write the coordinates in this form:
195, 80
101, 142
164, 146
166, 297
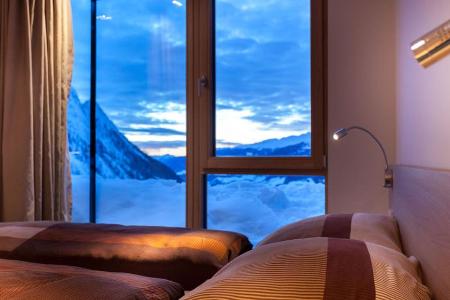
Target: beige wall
361, 91
423, 95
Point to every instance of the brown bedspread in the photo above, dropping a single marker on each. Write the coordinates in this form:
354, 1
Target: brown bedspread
188, 257
24, 280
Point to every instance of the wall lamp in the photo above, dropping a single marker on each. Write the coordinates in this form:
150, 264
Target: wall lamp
388, 174
432, 46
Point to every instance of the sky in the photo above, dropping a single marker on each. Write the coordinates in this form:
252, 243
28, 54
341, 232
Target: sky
262, 69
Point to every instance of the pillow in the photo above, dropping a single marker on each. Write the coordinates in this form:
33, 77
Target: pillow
183, 255
316, 268
375, 228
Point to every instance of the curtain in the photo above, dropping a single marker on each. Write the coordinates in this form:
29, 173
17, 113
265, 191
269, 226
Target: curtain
36, 58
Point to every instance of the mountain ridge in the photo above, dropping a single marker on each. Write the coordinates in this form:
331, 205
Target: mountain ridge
116, 156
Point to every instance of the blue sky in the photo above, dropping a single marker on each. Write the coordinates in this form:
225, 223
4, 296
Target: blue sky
263, 66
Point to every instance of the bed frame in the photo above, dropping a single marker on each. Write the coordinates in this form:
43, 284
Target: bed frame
420, 201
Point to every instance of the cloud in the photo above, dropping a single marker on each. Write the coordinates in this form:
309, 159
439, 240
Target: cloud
104, 17
263, 64
161, 144
177, 3
153, 131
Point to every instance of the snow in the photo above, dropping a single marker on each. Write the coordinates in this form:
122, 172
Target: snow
80, 198
131, 202
279, 143
258, 205
250, 204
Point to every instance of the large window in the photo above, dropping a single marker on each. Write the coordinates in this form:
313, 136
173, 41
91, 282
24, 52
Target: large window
263, 117
207, 113
140, 112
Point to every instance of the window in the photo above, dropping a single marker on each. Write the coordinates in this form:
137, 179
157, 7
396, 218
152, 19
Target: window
263, 81
78, 113
195, 107
263, 116
258, 101
141, 112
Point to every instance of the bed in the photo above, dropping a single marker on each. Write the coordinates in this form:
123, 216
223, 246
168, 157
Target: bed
338, 256
24, 280
185, 256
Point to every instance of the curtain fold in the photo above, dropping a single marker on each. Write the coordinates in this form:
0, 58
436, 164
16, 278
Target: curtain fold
36, 44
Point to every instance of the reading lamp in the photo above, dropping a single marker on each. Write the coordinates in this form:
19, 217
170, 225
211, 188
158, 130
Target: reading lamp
388, 174
432, 46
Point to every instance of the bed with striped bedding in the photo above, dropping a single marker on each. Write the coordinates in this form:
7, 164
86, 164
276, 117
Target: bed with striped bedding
316, 268
23, 280
185, 256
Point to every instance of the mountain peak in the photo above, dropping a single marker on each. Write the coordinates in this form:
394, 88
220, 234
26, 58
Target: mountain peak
116, 156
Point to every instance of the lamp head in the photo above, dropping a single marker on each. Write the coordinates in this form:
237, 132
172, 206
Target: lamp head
339, 134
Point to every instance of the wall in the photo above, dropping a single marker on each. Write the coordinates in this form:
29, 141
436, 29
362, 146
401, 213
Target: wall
361, 91
423, 95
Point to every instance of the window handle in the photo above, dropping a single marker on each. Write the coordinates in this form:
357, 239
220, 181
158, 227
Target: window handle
202, 82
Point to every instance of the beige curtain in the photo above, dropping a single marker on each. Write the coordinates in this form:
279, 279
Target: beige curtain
36, 58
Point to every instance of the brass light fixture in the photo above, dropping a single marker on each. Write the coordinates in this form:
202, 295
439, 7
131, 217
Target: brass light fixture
432, 46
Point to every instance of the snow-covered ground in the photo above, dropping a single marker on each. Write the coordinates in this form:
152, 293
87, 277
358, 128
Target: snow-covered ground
258, 205
250, 204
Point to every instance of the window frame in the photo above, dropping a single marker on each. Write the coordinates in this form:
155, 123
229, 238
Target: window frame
201, 159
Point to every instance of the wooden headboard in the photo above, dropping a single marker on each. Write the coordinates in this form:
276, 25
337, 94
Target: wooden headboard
420, 201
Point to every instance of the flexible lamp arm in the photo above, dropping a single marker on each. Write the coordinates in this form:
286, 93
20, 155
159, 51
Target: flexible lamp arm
388, 174
376, 141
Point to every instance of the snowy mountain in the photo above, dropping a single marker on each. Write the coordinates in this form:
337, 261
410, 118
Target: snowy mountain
119, 158
288, 146
280, 143
78, 132
176, 163
116, 156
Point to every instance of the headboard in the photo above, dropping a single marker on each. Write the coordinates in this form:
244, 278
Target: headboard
420, 201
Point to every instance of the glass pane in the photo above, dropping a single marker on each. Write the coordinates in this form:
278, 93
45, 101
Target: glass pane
141, 112
78, 115
263, 82
256, 205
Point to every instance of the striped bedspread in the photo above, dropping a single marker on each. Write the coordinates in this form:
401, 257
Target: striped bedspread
186, 256
316, 268
23, 280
